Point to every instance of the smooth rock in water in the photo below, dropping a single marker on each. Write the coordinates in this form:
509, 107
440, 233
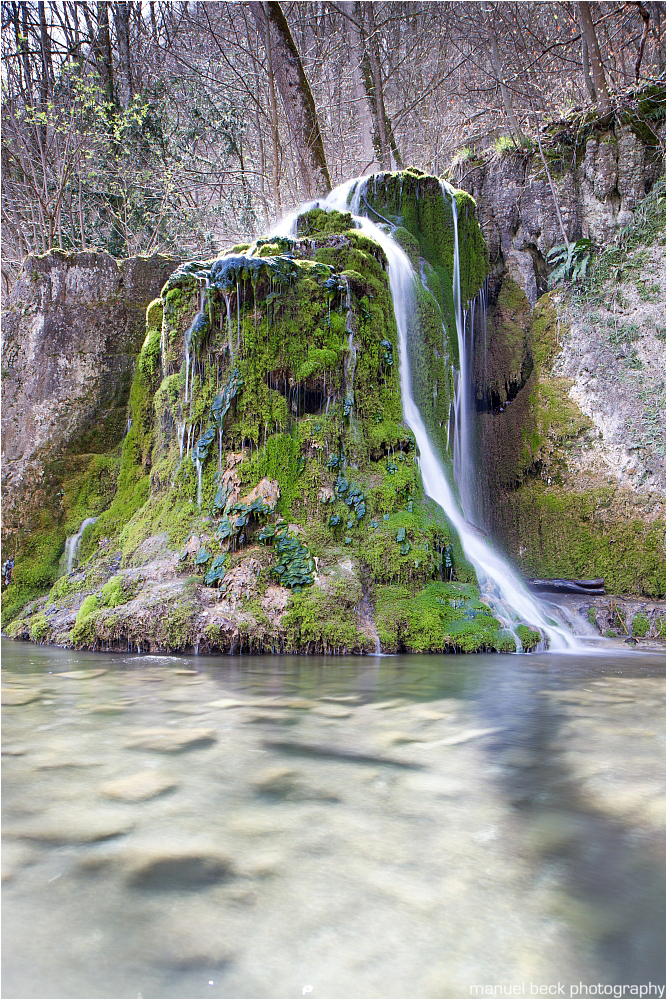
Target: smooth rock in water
111, 707
464, 737
14, 750
80, 675
279, 781
137, 787
16, 696
66, 759
332, 712
72, 826
387, 739
189, 869
172, 740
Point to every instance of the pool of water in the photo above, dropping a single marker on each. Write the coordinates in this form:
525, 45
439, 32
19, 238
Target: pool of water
399, 826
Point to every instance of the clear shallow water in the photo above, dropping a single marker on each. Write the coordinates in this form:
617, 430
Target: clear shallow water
368, 827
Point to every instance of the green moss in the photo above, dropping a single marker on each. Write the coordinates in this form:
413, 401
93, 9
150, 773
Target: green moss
442, 617
323, 618
116, 591
409, 244
555, 532
640, 626
83, 633
529, 637
39, 627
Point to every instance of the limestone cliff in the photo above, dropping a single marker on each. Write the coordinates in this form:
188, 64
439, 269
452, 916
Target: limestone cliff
570, 381
71, 331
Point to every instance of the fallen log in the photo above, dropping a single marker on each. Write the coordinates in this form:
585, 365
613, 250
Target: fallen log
590, 587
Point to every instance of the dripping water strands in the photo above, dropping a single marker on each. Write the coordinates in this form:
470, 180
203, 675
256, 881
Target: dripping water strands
73, 544
198, 466
498, 582
180, 431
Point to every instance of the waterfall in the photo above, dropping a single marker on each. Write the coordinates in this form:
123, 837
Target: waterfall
198, 466
350, 361
500, 585
73, 544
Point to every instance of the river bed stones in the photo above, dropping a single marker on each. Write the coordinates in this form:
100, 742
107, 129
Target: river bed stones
138, 787
72, 825
18, 696
171, 740
79, 675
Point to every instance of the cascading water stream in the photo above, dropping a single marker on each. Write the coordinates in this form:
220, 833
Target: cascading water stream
498, 582
73, 544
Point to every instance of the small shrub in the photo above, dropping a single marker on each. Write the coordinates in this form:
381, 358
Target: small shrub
640, 626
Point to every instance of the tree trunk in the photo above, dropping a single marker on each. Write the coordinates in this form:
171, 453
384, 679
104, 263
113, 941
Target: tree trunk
45, 52
646, 18
353, 15
275, 132
587, 70
382, 142
658, 9
297, 99
123, 29
103, 51
599, 79
25, 54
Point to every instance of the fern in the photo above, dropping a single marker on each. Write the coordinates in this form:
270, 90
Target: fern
570, 261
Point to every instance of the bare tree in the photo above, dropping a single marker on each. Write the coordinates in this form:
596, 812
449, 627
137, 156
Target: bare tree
297, 98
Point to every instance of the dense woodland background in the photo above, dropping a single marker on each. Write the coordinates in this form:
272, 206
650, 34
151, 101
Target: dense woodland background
181, 127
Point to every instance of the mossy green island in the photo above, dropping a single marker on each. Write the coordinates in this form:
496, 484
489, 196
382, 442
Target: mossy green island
265, 495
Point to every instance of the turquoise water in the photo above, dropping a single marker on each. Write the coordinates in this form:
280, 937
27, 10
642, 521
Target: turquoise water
358, 827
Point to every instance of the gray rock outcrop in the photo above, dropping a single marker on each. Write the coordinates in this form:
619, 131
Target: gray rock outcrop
73, 326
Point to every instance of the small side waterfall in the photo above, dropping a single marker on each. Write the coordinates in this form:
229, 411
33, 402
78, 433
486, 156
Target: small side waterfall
73, 544
498, 582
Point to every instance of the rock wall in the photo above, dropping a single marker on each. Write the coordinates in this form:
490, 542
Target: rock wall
599, 174
72, 328
570, 383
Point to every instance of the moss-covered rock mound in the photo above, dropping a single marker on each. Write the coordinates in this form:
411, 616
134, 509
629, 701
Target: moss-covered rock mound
266, 495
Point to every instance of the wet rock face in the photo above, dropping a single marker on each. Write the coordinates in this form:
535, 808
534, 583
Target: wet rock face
73, 326
596, 192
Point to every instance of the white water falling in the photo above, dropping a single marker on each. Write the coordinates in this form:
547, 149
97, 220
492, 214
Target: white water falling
180, 431
498, 582
73, 544
198, 466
